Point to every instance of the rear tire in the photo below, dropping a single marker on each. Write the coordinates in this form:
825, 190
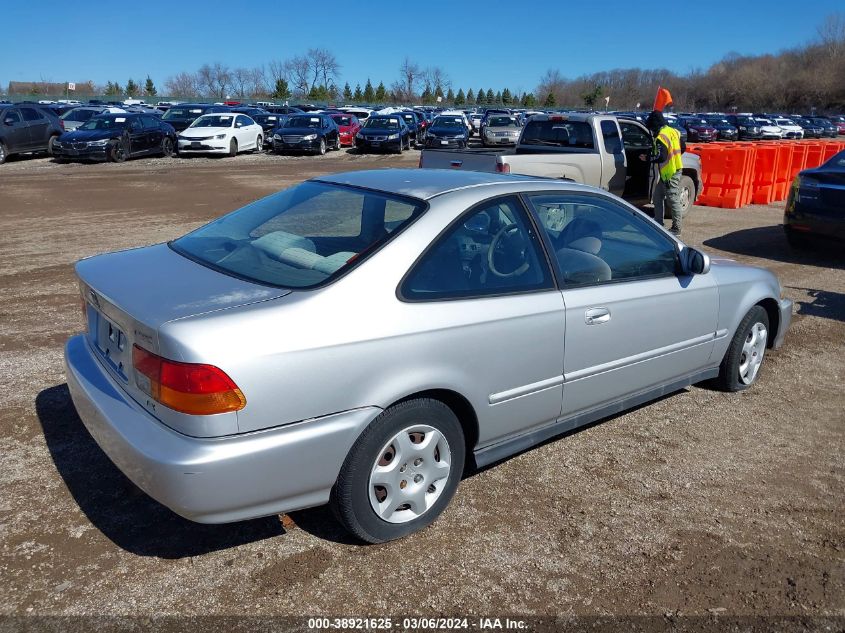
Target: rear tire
50, 148
741, 364
417, 449
687, 194
167, 147
4, 154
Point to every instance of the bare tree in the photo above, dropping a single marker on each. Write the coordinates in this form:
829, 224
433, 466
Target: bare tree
258, 85
181, 85
241, 80
298, 69
832, 34
324, 67
410, 75
215, 80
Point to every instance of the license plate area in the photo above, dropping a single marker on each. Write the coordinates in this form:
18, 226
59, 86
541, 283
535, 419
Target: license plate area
111, 343
195, 144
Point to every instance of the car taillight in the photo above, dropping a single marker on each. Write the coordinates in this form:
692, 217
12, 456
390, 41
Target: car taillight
62, 123
503, 168
191, 388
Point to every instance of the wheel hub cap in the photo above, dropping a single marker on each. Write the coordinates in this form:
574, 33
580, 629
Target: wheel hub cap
753, 350
410, 474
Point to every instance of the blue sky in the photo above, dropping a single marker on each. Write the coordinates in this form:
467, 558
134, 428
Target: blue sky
518, 42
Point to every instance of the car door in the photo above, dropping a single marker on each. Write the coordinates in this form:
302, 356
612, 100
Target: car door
153, 133
37, 125
138, 141
633, 321
244, 132
15, 130
637, 141
495, 332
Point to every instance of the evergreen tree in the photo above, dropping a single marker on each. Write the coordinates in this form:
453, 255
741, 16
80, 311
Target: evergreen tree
347, 92
470, 96
369, 93
381, 93
479, 99
460, 99
550, 101
438, 91
281, 91
358, 96
149, 88
450, 96
498, 97
506, 96
131, 88
427, 96
489, 97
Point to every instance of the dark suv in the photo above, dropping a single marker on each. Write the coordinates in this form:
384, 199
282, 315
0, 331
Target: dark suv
27, 128
182, 115
748, 128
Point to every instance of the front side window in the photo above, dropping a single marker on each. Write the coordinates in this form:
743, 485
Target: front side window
596, 240
635, 137
12, 116
300, 237
492, 250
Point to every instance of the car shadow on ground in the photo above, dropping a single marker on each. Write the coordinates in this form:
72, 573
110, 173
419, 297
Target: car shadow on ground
824, 304
769, 242
116, 507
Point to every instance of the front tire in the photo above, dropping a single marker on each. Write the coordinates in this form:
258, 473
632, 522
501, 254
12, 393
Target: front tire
402, 471
233, 147
337, 146
4, 153
50, 144
117, 151
741, 364
259, 143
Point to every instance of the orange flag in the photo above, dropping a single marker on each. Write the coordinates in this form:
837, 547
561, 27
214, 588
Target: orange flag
662, 100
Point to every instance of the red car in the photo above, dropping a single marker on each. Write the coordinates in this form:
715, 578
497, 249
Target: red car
348, 126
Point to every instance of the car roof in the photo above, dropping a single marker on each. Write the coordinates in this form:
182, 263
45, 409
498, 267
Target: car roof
423, 183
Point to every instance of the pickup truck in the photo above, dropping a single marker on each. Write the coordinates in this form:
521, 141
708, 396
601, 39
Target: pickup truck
593, 149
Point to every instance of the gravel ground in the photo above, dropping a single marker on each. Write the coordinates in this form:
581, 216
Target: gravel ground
702, 504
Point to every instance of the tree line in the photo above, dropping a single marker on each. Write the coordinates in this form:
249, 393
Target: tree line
798, 79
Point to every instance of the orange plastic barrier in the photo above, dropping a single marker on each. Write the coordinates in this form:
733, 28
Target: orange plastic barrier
765, 163
799, 159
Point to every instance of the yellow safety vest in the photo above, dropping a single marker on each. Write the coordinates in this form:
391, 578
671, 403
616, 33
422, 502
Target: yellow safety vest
671, 138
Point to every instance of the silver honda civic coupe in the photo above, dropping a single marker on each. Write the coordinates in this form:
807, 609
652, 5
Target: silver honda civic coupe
360, 339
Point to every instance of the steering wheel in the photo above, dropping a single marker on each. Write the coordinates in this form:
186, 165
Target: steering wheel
492, 251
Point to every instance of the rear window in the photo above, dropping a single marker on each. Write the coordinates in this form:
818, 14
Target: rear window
300, 237
181, 112
78, 115
576, 134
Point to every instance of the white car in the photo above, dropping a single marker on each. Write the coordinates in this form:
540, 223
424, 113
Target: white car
769, 129
221, 133
790, 128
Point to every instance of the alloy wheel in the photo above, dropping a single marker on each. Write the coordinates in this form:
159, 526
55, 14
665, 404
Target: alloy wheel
753, 350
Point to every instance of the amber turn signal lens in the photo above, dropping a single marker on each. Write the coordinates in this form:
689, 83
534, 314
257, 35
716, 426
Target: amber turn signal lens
192, 388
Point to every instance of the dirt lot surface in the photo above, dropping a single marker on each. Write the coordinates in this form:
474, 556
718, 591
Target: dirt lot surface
700, 504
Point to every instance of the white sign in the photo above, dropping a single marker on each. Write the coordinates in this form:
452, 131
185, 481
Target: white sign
439, 99
71, 86
606, 100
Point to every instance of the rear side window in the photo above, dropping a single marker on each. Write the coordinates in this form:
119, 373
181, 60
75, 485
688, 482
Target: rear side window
31, 114
491, 250
300, 237
149, 123
574, 134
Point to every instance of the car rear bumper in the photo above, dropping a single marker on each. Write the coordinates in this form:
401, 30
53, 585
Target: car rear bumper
785, 310
211, 480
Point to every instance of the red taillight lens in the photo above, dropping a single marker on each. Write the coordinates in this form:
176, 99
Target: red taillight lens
503, 168
191, 388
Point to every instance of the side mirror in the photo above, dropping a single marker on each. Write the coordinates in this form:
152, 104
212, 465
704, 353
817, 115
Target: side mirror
9, 121
698, 263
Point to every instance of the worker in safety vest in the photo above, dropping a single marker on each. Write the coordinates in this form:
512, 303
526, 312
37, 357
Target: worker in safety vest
668, 148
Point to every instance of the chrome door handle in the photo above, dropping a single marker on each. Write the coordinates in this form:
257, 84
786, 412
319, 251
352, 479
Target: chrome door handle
594, 316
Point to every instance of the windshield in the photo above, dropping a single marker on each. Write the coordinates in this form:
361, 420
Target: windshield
502, 121
104, 123
342, 120
304, 121
698, 121
382, 124
214, 120
744, 120
78, 115
764, 121
299, 237
575, 134
784, 122
445, 122
410, 118
178, 112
